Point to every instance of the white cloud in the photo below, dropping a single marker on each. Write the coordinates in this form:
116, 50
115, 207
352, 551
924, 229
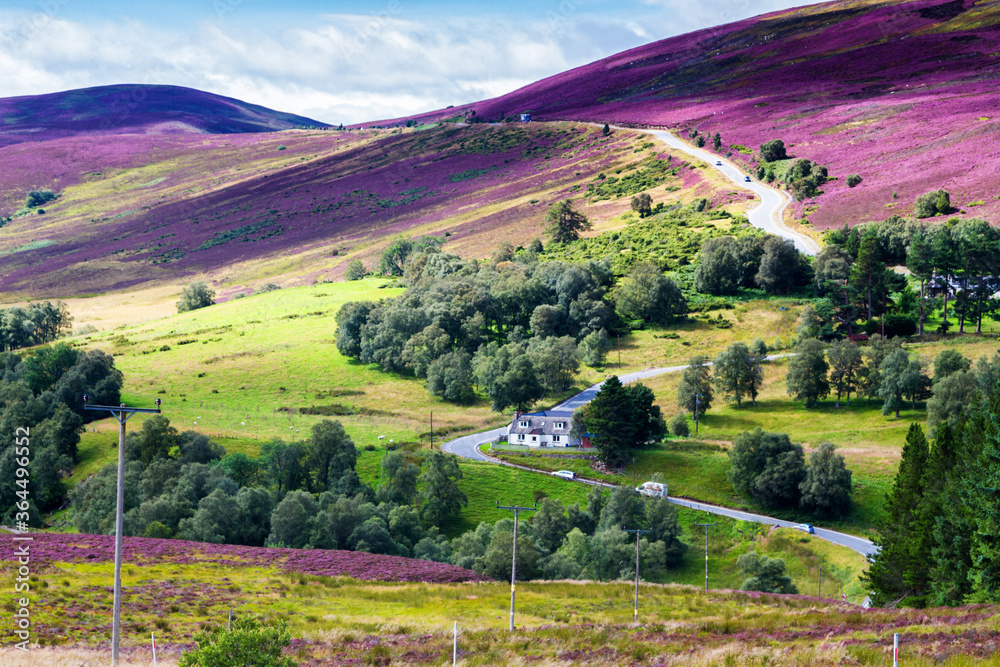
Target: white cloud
335, 67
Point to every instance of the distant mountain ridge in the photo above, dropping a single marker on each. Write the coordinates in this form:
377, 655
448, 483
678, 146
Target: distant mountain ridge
136, 109
901, 92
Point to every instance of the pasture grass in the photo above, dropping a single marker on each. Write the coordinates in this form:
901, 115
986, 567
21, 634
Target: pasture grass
341, 620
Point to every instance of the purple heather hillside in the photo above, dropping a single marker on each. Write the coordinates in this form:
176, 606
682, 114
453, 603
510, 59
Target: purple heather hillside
48, 548
135, 109
901, 92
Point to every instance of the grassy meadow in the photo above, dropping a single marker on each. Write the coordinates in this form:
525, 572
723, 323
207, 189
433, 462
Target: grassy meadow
345, 621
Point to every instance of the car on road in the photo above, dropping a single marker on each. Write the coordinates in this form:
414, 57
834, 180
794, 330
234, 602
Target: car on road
718, 163
565, 474
746, 179
652, 489
804, 527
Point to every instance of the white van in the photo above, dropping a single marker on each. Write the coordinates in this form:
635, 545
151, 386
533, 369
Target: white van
652, 489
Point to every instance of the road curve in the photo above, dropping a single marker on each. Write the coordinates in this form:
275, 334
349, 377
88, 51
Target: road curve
468, 447
768, 214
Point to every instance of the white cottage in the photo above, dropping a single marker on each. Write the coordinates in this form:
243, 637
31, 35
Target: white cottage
548, 428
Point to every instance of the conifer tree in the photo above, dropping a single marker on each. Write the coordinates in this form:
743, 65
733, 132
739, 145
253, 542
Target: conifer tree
899, 569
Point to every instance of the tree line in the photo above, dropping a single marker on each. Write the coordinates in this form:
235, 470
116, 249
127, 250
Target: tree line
940, 536
34, 324
308, 495
514, 329
42, 392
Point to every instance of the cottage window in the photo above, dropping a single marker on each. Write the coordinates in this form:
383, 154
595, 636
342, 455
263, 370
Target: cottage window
520, 436
560, 424
555, 438
522, 424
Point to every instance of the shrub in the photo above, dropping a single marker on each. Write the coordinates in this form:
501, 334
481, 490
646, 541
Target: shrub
642, 204
356, 270
267, 287
36, 198
932, 203
853, 180
679, 426
773, 150
196, 295
250, 644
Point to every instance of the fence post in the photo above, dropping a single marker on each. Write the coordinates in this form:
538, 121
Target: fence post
152, 636
895, 650
229, 625
454, 647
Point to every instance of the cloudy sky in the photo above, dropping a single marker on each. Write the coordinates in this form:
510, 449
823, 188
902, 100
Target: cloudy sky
346, 61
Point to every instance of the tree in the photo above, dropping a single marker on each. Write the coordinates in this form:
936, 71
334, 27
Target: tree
450, 377
773, 150
249, 644
196, 295
594, 347
948, 362
738, 373
291, 520
440, 498
826, 490
679, 426
508, 376
285, 465
155, 440
642, 204
398, 480
550, 524
764, 574
620, 418
899, 567
806, 379
496, 562
901, 377
555, 361
565, 223
953, 398
717, 142
767, 467
331, 453
845, 367
868, 271
356, 270
937, 202
920, 262
606, 130
854, 180
781, 267
718, 270
694, 393
647, 294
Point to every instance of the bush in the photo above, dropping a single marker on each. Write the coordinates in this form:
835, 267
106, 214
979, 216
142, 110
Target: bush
773, 151
899, 325
679, 426
267, 287
36, 198
854, 180
249, 644
355, 270
933, 203
195, 296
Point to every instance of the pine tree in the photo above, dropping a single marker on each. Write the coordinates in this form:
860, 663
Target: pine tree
982, 493
919, 260
899, 569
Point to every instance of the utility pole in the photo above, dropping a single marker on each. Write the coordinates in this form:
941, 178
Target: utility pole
706, 526
432, 430
635, 611
513, 568
121, 413
619, 337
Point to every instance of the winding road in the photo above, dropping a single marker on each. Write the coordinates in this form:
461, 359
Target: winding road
468, 447
768, 214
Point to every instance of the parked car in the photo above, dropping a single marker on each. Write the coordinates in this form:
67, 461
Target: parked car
565, 474
746, 179
652, 489
804, 527
718, 163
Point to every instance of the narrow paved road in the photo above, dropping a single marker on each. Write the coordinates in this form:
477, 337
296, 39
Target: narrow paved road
468, 447
768, 214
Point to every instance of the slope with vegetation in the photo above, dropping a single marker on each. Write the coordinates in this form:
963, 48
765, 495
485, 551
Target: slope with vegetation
897, 96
